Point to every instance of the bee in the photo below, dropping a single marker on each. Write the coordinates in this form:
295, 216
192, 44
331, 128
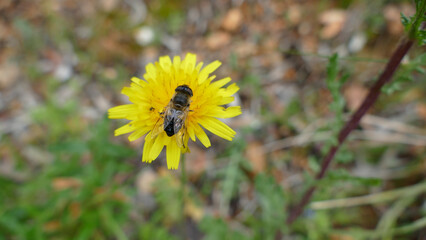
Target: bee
175, 114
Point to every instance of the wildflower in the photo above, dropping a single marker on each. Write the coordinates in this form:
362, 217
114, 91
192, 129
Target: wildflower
150, 98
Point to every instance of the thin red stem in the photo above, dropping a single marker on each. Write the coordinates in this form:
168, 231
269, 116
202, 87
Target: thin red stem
371, 98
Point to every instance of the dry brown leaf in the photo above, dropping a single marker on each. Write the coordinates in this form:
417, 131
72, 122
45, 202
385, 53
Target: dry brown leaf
392, 14
108, 5
75, 209
271, 43
218, 40
290, 75
63, 183
100, 190
120, 197
37, 155
194, 211
232, 20
196, 161
52, 226
333, 21
256, 155
245, 49
278, 25
294, 14
5, 4
9, 74
300, 158
145, 179
110, 73
354, 95
421, 110
337, 236
309, 44
393, 22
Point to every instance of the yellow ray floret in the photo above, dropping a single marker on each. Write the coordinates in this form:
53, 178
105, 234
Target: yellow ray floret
151, 96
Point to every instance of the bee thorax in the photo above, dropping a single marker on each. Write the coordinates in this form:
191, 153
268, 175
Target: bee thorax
181, 101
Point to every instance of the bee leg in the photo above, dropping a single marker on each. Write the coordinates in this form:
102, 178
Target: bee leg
183, 142
182, 138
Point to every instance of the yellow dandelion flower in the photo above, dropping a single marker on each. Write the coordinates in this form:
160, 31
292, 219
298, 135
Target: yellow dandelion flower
173, 103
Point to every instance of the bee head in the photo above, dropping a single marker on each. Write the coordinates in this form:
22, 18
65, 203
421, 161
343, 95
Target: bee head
184, 89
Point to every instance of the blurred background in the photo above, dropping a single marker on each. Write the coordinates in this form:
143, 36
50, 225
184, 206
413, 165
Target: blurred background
63, 175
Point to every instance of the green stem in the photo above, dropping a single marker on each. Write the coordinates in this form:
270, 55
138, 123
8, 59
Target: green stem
418, 20
182, 196
111, 224
389, 219
183, 182
372, 198
419, 224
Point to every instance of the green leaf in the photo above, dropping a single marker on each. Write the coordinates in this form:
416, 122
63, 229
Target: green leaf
272, 202
216, 228
332, 70
341, 175
405, 20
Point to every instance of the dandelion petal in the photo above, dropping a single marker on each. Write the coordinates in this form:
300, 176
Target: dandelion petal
147, 149
202, 136
173, 155
207, 70
221, 112
231, 89
121, 111
124, 129
151, 72
157, 147
137, 134
217, 127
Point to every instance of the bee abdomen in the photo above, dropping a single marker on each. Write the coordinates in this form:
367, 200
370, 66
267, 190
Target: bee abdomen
169, 129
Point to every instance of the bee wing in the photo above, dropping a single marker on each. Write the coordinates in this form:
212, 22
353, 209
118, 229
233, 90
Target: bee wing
180, 120
180, 130
158, 128
181, 139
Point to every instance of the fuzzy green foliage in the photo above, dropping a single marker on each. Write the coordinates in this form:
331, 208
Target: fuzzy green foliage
413, 24
216, 228
272, 206
93, 206
334, 85
405, 74
335, 80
